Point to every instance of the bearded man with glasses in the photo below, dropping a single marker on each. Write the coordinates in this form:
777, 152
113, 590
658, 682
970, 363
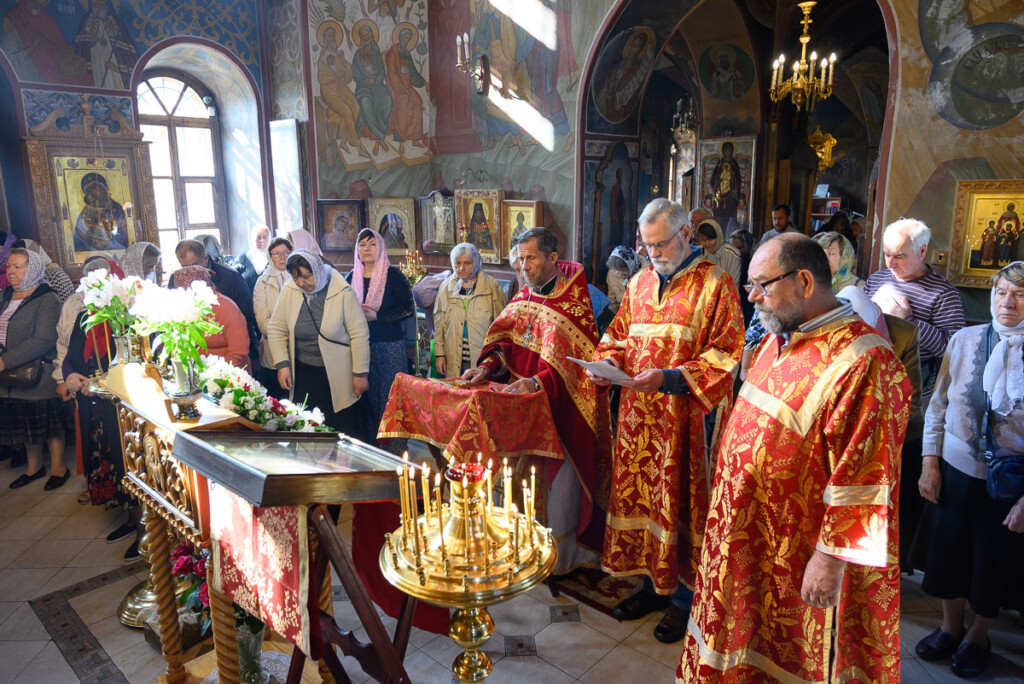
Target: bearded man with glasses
678, 333
799, 573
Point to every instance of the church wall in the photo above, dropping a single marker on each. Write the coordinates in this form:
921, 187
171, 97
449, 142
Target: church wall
956, 110
49, 46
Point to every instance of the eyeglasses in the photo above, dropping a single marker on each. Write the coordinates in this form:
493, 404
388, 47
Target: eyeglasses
658, 245
762, 288
280, 254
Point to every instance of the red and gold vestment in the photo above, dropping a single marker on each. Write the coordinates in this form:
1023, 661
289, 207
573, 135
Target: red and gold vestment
532, 338
660, 472
809, 460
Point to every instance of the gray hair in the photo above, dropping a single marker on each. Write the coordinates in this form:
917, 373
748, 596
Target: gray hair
659, 207
916, 231
1014, 273
547, 243
463, 247
699, 211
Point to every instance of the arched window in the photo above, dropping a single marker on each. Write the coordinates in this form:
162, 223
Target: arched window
178, 117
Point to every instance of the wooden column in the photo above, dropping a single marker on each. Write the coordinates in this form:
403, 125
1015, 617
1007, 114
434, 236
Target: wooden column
167, 608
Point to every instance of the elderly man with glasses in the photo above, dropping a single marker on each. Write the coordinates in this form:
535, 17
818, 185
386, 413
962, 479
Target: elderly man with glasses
678, 333
799, 578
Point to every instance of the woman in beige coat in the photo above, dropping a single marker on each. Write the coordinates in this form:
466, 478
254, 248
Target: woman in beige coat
466, 305
320, 342
264, 300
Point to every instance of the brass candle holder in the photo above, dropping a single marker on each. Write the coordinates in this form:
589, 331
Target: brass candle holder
413, 267
467, 554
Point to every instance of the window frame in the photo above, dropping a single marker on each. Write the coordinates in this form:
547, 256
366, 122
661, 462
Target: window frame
179, 181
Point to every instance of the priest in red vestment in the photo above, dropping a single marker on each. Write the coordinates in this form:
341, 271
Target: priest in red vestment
679, 334
527, 346
799, 573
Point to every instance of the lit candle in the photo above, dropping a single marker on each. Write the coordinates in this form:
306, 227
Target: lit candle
402, 493
508, 494
775, 73
831, 67
814, 60
515, 530
440, 520
412, 519
533, 484
526, 500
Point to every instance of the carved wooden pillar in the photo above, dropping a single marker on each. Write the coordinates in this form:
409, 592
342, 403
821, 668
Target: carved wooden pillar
167, 608
225, 642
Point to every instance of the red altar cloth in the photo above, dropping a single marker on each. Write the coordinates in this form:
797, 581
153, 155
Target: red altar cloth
463, 420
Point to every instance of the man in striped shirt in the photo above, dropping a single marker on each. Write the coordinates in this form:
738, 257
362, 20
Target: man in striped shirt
912, 290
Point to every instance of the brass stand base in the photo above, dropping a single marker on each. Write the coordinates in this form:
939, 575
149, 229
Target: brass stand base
138, 599
470, 628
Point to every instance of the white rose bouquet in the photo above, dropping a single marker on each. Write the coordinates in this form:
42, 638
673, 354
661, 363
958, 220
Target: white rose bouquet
108, 299
181, 317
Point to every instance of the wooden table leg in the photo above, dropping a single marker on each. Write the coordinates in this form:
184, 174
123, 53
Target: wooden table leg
384, 657
225, 641
167, 608
326, 607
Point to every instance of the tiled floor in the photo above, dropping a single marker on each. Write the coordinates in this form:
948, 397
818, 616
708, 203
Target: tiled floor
49, 542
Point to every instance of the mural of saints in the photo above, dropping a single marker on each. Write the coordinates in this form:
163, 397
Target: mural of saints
32, 41
103, 42
375, 101
334, 73
406, 120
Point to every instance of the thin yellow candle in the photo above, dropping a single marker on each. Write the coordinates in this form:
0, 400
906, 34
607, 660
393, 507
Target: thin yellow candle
425, 474
490, 489
465, 509
440, 520
402, 493
412, 520
515, 529
508, 493
533, 486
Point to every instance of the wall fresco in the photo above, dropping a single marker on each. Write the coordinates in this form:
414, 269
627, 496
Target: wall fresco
284, 24
39, 104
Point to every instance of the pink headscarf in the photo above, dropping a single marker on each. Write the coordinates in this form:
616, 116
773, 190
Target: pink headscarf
301, 239
379, 276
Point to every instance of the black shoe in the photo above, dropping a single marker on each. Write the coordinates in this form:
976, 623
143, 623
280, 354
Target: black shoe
672, 627
25, 478
122, 532
57, 480
132, 554
970, 659
640, 604
937, 646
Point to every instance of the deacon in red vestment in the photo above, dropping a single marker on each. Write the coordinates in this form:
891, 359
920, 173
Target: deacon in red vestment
527, 345
799, 573
679, 334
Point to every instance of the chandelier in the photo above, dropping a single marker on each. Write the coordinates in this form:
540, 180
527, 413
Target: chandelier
683, 123
804, 85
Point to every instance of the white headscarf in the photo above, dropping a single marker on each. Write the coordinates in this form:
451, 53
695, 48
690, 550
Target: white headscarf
1004, 373
258, 257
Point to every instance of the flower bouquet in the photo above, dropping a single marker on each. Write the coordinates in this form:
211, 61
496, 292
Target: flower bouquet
108, 300
180, 317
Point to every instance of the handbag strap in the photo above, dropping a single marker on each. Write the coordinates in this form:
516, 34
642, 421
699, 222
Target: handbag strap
317, 325
990, 440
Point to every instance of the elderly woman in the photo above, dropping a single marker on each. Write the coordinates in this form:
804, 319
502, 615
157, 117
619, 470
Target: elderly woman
977, 547
264, 299
252, 262
623, 264
31, 415
466, 305
386, 298
53, 275
320, 342
142, 260
232, 342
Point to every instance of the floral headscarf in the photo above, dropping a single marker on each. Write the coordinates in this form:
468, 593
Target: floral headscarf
629, 257
1003, 378
132, 259
187, 275
301, 239
847, 260
320, 270
379, 276
33, 274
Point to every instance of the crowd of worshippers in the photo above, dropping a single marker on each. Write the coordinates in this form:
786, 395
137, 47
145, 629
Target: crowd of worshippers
789, 440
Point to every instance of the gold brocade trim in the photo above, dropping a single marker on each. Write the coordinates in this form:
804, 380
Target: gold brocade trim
854, 673
800, 421
675, 331
876, 559
745, 656
647, 525
857, 495
719, 359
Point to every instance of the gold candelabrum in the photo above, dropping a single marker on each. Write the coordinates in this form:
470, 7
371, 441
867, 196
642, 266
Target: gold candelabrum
413, 267
467, 554
804, 86
822, 144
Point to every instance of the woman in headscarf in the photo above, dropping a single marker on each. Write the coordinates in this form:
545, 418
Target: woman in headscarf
466, 305
142, 260
841, 258
79, 356
320, 342
53, 275
302, 239
384, 293
976, 545
623, 264
232, 342
254, 260
7, 240
29, 310
264, 299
